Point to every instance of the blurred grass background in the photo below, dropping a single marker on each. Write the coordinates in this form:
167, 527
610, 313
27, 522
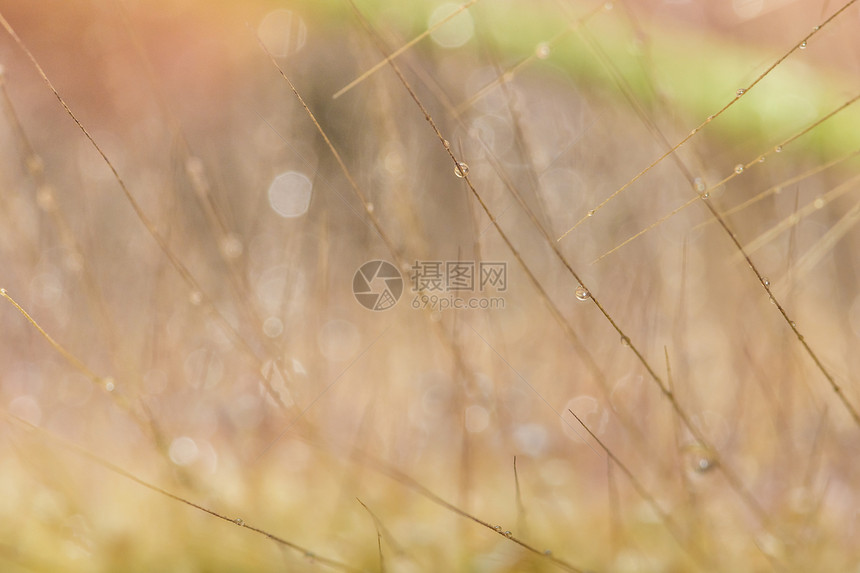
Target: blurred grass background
264, 392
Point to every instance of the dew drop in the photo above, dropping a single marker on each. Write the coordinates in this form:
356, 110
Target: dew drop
458, 31
35, 165
699, 458
283, 32
369, 207
183, 451
793, 324
739, 168
3, 291
461, 170
547, 552
778, 149
582, 293
699, 184
740, 92
542, 51
816, 28
508, 534
710, 118
766, 281
239, 521
591, 213
45, 198
194, 166
761, 159
446, 143
273, 327
706, 195
109, 384
290, 194
497, 527
625, 341
231, 246
803, 45
770, 545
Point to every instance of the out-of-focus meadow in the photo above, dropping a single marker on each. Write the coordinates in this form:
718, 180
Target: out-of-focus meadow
196, 262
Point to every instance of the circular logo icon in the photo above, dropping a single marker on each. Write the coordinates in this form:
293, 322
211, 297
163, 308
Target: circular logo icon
377, 285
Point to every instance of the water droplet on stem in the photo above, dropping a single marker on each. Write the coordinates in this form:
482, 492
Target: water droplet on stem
542, 51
